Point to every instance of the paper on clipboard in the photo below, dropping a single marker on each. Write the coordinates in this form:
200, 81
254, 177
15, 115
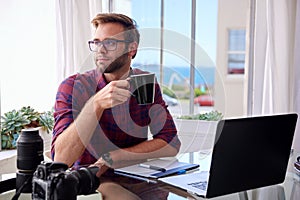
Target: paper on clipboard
171, 166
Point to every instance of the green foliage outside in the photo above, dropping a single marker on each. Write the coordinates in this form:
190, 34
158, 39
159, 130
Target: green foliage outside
199, 92
210, 116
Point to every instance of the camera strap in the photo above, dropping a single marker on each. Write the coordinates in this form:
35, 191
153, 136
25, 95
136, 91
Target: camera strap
19, 191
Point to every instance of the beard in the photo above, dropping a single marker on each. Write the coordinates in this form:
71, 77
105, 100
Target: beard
117, 64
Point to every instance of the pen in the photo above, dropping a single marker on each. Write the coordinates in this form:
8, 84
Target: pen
153, 167
136, 177
183, 171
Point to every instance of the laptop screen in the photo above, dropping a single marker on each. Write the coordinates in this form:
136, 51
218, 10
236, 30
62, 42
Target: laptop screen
250, 153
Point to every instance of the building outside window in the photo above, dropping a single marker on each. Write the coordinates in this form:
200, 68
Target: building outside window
236, 51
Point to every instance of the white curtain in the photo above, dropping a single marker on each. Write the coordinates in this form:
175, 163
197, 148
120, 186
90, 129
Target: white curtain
275, 62
297, 76
74, 29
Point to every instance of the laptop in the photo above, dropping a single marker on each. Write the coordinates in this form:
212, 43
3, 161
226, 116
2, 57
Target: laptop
248, 153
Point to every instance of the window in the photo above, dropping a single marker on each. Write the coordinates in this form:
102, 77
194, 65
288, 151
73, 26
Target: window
172, 64
28, 54
236, 51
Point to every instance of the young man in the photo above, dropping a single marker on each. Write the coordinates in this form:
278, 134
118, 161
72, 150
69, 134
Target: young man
98, 121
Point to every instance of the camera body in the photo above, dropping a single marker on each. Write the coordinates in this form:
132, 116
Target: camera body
49, 180
52, 181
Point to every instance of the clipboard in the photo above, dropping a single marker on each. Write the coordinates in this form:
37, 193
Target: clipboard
150, 175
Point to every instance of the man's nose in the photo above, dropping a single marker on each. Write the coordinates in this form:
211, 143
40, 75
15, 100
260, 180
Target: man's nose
101, 49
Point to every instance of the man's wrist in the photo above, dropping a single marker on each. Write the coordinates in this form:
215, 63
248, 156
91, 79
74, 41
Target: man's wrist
108, 160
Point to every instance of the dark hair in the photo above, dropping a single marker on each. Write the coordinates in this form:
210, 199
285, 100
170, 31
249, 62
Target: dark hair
130, 27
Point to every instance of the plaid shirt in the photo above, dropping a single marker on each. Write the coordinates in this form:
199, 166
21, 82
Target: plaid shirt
122, 126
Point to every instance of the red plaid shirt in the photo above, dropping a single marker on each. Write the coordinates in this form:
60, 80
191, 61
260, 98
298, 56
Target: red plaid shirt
122, 126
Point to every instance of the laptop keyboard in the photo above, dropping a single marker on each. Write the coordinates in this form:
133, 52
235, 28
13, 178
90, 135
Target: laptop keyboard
202, 185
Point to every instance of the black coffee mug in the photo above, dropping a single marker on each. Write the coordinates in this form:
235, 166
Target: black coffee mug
143, 87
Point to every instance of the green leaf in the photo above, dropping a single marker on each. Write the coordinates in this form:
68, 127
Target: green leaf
16, 120
4, 137
210, 116
3, 144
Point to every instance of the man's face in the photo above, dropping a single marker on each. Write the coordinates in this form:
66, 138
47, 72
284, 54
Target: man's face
110, 61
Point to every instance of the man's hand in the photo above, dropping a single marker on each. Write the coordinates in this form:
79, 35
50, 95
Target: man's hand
100, 163
115, 93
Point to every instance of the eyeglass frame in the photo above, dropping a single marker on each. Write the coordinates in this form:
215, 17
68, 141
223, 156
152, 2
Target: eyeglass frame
102, 43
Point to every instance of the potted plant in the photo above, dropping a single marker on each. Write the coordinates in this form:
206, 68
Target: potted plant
197, 132
14, 121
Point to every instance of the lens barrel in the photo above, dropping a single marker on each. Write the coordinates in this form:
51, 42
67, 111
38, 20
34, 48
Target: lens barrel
29, 156
88, 182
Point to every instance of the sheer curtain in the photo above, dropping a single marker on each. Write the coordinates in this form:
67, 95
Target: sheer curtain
275, 64
297, 76
74, 29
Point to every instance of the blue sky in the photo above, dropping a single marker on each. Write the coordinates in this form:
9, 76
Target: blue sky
178, 18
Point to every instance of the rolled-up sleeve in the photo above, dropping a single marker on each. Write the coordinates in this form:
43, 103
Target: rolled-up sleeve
63, 114
162, 125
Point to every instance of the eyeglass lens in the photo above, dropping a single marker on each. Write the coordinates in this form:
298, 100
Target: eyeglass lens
108, 45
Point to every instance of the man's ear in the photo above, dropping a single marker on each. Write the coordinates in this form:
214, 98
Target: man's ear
132, 49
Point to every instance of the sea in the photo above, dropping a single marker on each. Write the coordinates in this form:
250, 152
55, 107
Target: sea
181, 74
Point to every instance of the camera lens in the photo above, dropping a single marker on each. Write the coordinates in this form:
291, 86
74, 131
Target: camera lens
29, 156
88, 181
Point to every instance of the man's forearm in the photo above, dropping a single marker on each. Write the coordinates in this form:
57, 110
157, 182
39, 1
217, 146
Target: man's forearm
155, 148
71, 143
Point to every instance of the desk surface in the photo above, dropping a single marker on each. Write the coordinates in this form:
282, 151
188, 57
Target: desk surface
289, 189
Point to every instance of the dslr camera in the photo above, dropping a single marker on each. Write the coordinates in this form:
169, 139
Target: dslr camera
52, 181
49, 180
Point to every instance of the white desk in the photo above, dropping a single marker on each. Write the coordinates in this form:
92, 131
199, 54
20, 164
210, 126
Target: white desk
289, 190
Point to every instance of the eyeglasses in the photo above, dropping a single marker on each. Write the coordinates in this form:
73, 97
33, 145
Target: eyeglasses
109, 44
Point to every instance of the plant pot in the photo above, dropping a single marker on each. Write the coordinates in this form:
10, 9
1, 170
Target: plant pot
196, 135
47, 138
